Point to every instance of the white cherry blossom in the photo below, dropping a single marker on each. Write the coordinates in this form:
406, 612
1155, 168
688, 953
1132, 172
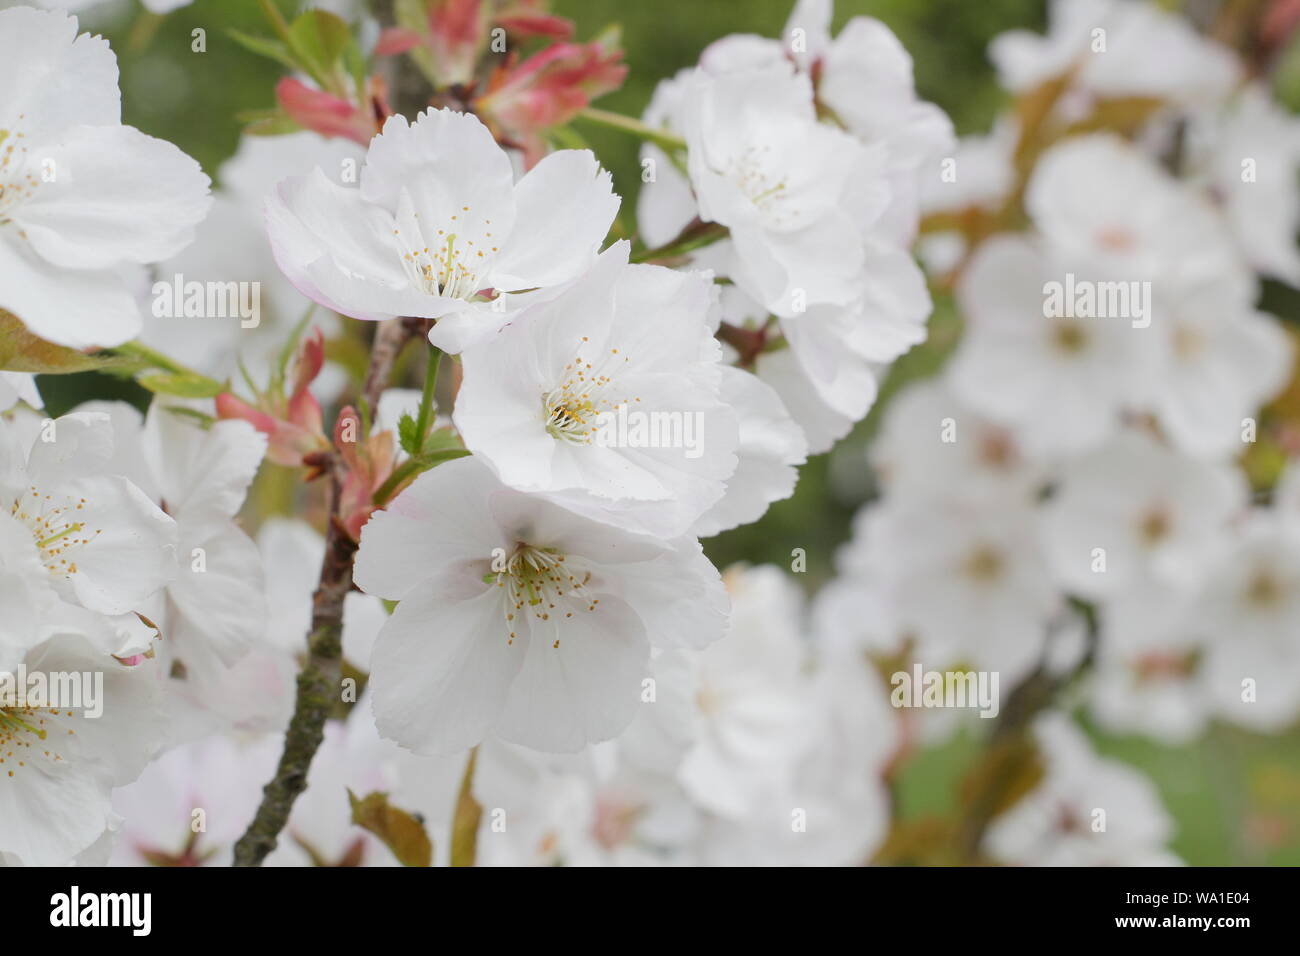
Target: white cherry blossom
542, 620
82, 197
439, 227
544, 402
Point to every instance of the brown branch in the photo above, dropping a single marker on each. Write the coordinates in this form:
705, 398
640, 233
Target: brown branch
1011, 757
319, 680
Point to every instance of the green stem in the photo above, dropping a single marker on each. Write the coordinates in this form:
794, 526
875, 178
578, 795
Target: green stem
696, 235
660, 137
413, 466
426, 398
155, 359
277, 20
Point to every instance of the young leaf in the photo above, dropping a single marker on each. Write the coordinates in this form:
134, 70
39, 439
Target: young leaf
264, 46
21, 351
408, 434
182, 385
400, 831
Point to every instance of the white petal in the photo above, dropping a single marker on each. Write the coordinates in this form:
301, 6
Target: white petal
582, 678
219, 596
679, 597
74, 307
339, 250
565, 206
53, 78
771, 447
203, 474
117, 196
441, 519
129, 549
81, 444
441, 668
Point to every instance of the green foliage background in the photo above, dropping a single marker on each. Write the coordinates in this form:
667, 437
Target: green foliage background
1236, 796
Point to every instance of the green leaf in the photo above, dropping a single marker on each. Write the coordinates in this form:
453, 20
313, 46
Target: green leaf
21, 351
203, 420
181, 384
401, 832
270, 122
428, 459
442, 440
264, 46
412, 14
320, 38
408, 434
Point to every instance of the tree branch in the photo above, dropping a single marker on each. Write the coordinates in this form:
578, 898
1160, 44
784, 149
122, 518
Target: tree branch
319, 680
1011, 753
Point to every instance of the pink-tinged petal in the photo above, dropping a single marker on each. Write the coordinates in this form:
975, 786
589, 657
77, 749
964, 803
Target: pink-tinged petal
287, 443
457, 32
339, 250
536, 25
230, 406
548, 89
395, 40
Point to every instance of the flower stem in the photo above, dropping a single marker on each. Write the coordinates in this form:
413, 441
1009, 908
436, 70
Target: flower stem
660, 137
696, 235
156, 359
426, 398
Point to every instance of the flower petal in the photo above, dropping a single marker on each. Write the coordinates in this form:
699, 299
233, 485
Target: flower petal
442, 666
117, 196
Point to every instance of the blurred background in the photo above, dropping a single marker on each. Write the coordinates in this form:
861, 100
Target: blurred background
1235, 795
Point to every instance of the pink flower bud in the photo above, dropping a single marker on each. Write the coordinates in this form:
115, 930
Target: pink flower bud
525, 99
326, 113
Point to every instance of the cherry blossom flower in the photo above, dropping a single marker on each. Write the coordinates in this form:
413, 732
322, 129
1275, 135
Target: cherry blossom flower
1087, 811
439, 228
543, 620
81, 195
1163, 528
1108, 44
793, 191
542, 402
61, 763
105, 546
